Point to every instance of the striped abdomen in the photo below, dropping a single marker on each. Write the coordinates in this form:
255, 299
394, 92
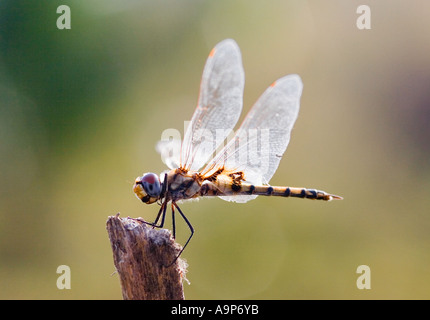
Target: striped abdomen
249, 189
287, 192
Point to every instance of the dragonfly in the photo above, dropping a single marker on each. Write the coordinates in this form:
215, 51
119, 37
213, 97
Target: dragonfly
203, 165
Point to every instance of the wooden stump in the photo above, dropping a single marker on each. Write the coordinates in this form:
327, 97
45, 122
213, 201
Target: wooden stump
141, 254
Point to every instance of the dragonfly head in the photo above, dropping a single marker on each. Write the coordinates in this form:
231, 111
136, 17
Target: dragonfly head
147, 188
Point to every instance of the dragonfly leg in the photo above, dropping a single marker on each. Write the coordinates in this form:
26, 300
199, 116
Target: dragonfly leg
173, 222
163, 206
161, 213
174, 205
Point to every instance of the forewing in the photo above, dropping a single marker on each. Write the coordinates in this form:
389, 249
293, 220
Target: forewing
258, 145
219, 105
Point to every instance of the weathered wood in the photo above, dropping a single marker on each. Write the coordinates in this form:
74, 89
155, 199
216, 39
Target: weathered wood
141, 254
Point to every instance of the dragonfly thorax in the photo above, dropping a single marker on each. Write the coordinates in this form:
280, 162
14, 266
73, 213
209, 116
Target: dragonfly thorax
147, 187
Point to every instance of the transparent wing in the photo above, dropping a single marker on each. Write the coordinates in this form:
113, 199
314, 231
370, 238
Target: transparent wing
258, 145
169, 149
219, 105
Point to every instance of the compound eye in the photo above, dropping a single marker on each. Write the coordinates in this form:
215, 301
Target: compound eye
151, 184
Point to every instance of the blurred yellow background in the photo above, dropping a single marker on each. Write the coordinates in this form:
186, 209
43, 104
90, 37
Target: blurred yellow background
82, 109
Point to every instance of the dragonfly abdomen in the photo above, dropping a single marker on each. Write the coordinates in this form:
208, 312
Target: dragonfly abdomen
229, 185
303, 193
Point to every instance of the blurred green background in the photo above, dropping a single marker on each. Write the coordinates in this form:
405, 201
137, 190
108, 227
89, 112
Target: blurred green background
82, 109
